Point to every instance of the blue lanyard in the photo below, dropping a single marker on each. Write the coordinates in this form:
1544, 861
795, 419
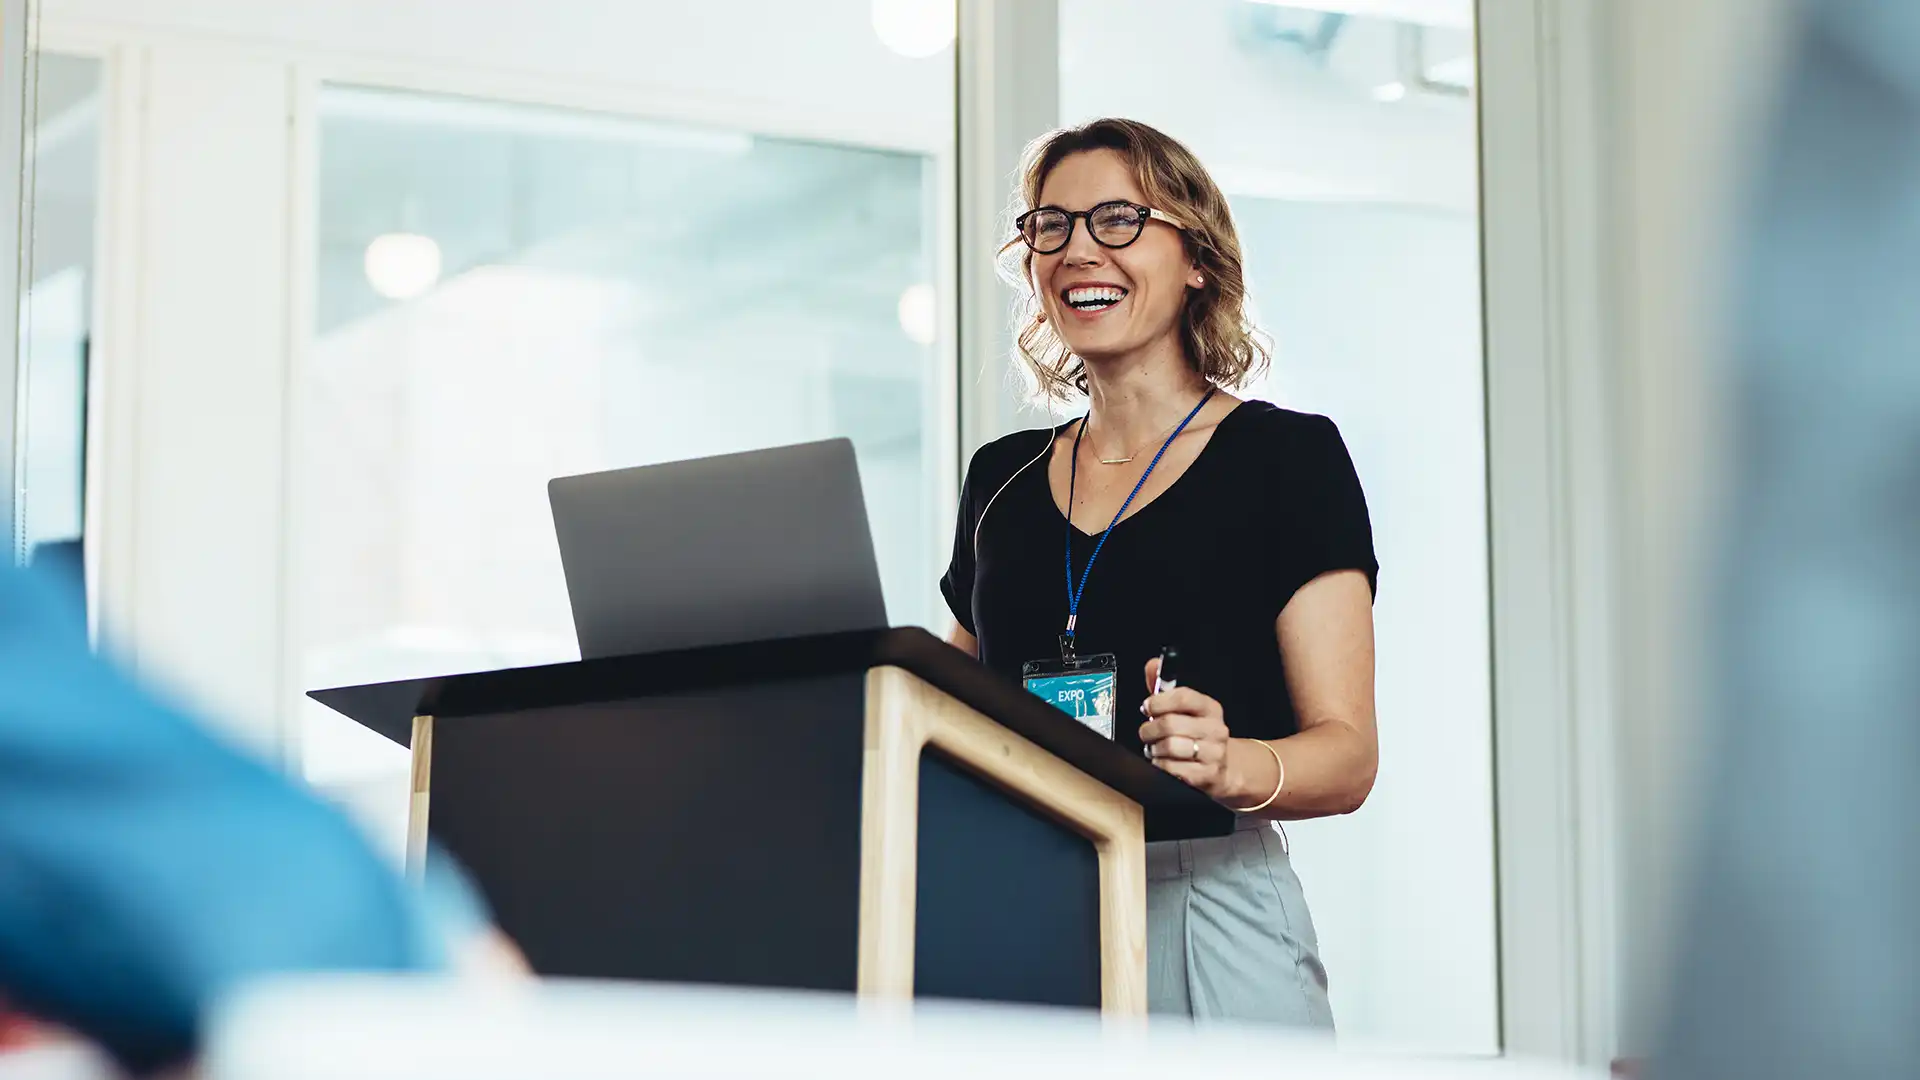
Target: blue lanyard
1073, 477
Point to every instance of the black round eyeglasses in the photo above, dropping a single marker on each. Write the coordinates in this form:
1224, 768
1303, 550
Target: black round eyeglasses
1113, 224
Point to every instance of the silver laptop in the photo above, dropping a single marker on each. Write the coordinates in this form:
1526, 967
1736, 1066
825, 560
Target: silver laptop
719, 550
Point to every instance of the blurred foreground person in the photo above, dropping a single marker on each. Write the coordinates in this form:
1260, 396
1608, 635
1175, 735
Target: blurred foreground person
1800, 954
147, 868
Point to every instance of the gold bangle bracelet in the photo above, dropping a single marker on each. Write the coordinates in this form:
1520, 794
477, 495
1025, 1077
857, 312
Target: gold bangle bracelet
1278, 784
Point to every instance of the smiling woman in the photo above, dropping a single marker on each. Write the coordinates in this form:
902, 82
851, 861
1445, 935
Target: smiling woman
1130, 274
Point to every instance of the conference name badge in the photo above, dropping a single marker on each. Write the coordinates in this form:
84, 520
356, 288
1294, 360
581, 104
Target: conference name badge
1082, 687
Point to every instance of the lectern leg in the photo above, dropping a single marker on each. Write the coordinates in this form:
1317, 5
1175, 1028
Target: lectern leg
422, 746
905, 717
888, 842
1123, 914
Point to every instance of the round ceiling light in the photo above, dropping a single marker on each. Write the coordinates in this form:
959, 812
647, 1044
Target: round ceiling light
914, 28
919, 315
401, 266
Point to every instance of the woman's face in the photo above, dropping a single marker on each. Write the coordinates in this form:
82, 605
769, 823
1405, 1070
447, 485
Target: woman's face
1077, 285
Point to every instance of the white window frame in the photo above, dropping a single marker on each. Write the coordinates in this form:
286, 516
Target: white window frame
1008, 57
1551, 527
17, 64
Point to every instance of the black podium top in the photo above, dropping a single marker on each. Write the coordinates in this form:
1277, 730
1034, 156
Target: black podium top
1173, 809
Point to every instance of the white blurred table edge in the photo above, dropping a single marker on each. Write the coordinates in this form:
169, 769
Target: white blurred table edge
58, 1061
373, 1027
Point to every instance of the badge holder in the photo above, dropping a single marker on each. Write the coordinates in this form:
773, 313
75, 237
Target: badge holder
1080, 686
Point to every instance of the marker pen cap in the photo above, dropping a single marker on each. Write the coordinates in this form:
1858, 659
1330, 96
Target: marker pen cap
1169, 676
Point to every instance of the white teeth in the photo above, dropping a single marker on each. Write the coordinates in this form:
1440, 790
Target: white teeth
1095, 296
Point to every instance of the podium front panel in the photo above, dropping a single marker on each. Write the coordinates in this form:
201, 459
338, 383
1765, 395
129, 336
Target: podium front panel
1007, 901
700, 837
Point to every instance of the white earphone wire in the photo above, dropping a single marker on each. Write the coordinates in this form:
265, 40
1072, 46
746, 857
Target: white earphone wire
1044, 450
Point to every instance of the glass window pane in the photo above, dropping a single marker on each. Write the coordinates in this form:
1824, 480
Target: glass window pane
507, 294
1346, 145
57, 309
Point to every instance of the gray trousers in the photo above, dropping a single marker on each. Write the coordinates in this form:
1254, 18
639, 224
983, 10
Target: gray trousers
1228, 934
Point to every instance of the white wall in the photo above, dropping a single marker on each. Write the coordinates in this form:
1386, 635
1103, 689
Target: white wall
205, 496
1377, 318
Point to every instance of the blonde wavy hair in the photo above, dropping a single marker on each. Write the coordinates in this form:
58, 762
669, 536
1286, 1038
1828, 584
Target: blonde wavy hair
1217, 332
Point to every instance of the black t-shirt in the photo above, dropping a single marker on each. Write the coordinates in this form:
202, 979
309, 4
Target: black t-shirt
1270, 503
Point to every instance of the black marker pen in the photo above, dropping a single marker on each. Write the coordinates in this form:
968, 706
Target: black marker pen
1164, 679
1168, 676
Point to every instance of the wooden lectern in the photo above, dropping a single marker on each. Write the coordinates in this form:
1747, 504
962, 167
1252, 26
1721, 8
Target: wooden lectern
868, 811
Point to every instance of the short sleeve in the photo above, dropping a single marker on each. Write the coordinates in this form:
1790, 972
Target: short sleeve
957, 583
1327, 519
